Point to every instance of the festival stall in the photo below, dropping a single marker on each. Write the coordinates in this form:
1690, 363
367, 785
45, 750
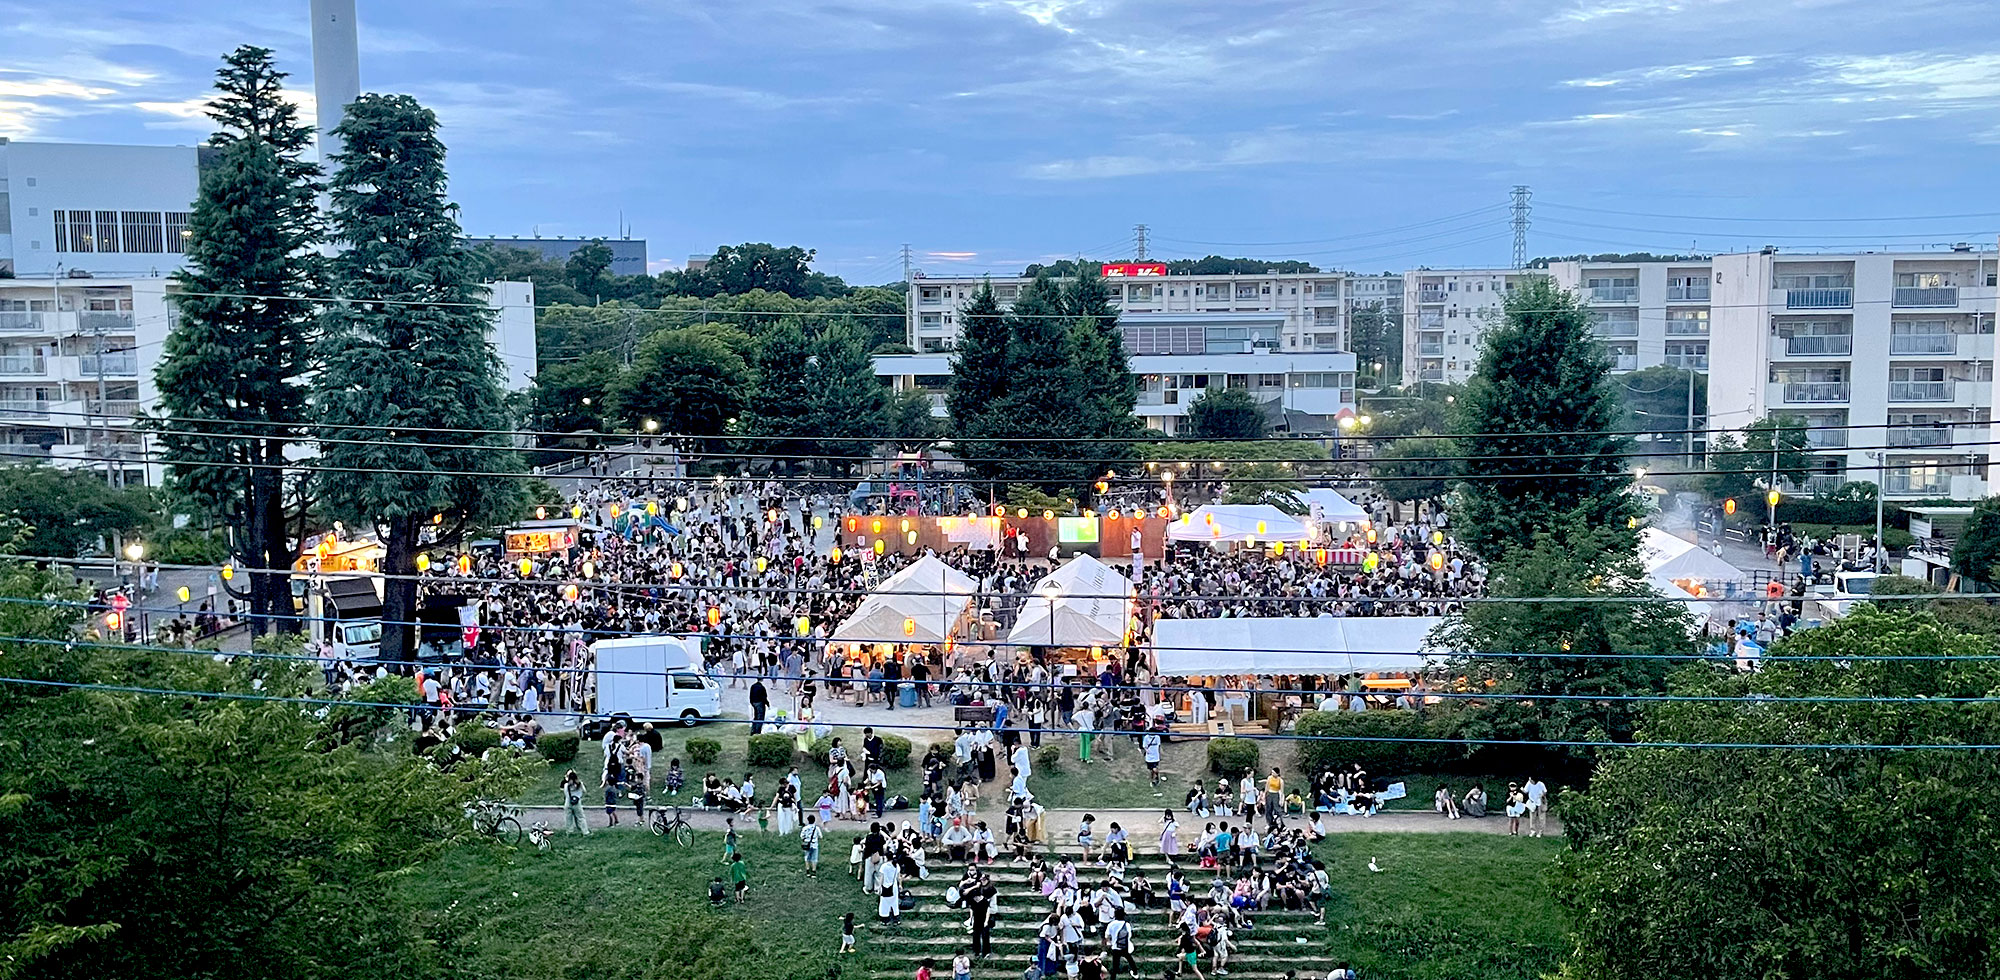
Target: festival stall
1326, 507
927, 602
1234, 523
1675, 564
1084, 604
1302, 652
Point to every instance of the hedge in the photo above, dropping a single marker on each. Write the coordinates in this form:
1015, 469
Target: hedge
1381, 759
895, 751
1229, 756
770, 751
474, 739
557, 747
702, 751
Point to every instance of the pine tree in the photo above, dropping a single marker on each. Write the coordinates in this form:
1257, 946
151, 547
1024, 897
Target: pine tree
1044, 395
1109, 389
783, 406
405, 355
848, 400
231, 372
978, 368
1538, 425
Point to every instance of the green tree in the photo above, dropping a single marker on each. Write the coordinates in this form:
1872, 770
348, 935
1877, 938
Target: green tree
737, 269
231, 374
407, 363
1043, 394
1266, 483
1103, 371
1976, 553
908, 422
1539, 422
573, 395
1415, 469
69, 513
1225, 413
784, 402
589, 268
1376, 337
1740, 467
847, 399
978, 367
1758, 863
689, 381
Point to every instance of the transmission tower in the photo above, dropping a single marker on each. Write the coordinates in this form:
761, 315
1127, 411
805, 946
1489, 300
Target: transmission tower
906, 263
1521, 198
1139, 232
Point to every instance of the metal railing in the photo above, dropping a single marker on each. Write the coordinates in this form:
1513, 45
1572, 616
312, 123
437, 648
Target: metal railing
1819, 483
1699, 291
23, 364
23, 320
1430, 323
1430, 374
1687, 328
116, 364
1687, 362
1815, 391
1920, 391
1430, 350
113, 406
1923, 343
1918, 436
1430, 295
1820, 343
1819, 299
1924, 296
1624, 362
28, 409
90, 321
1827, 438
1614, 294
1615, 328
1904, 484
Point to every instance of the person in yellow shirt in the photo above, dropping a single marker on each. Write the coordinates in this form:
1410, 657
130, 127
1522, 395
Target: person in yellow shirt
1274, 800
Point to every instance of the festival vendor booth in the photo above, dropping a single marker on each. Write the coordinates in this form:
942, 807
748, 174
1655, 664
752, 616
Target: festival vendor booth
1296, 653
1230, 524
1679, 567
1328, 509
927, 604
1079, 612
542, 538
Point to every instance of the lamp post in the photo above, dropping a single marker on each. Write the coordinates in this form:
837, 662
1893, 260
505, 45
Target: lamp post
1881, 562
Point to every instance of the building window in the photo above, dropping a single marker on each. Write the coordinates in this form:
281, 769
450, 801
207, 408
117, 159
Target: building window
107, 231
177, 232
141, 230
81, 236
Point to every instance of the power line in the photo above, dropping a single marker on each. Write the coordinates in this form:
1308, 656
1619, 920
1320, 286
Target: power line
1699, 217
1488, 209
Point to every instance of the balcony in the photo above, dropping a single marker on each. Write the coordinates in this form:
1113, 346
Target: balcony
1430, 295
1920, 391
1827, 438
1810, 345
1614, 294
1697, 293
1687, 328
23, 364
1687, 362
20, 320
1912, 485
1920, 297
1326, 292
113, 407
1615, 328
1803, 392
1431, 374
1624, 362
96, 321
1430, 350
1923, 343
1819, 483
1839, 298
115, 365
1430, 323
1915, 437
23, 409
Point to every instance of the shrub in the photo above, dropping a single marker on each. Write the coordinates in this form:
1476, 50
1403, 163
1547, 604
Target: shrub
558, 747
474, 739
1048, 760
770, 751
1381, 759
702, 751
1229, 756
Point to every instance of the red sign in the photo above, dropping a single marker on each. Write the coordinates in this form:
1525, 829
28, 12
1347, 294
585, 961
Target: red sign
1134, 270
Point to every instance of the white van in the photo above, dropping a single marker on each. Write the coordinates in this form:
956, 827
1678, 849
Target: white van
650, 678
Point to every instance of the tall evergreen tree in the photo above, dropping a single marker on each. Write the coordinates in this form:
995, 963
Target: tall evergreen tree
1108, 387
783, 406
405, 355
231, 372
848, 400
1044, 395
978, 367
1538, 425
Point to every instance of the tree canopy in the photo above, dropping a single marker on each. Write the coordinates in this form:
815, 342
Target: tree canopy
69, 513
689, 381
1224, 413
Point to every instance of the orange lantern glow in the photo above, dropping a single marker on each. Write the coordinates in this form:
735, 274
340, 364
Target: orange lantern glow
715, 615
541, 513
1437, 537
999, 510
1210, 518
569, 592
1102, 486
1215, 532
875, 526
675, 570
909, 626
1021, 514
1371, 535
1113, 515
1437, 560
1048, 515
853, 523
1320, 556
464, 564
1088, 513
437, 518
1729, 506
1163, 513
614, 512
880, 546
836, 554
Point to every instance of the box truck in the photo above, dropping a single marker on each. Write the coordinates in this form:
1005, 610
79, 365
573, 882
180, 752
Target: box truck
655, 679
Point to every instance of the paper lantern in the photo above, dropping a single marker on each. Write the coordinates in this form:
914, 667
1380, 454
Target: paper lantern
1278, 549
183, 593
113, 620
1097, 652
1021, 514
880, 546
1772, 498
1088, 513
1437, 537
760, 564
911, 537
950, 645
1187, 518
803, 626
464, 564
1048, 515
228, 572
1215, 532
909, 626
437, 518
1631, 522
1729, 506
875, 526
906, 524
614, 512
589, 569
772, 516
1437, 560
1320, 556
681, 504
576, 512
569, 592
1210, 518
836, 554
1371, 535
1102, 486
715, 615
423, 563
527, 567
652, 508
541, 513
1163, 513
999, 510
675, 570
817, 522
1260, 527
1113, 515
947, 522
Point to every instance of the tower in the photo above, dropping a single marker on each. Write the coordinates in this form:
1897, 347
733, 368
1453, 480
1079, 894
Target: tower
1139, 251
336, 69
1521, 197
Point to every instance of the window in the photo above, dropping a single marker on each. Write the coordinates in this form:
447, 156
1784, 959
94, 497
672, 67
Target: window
81, 238
62, 230
141, 230
176, 230
687, 682
1924, 280
1916, 374
107, 231
1239, 381
1819, 280
1270, 381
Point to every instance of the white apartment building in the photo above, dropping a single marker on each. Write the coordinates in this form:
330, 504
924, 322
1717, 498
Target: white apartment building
1898, 344
1648, 313
1446, 313
89, 236
1316, 306
1178, 357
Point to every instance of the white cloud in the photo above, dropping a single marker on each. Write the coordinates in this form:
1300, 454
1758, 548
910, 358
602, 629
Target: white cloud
1915, 76
1664, 73
52, 88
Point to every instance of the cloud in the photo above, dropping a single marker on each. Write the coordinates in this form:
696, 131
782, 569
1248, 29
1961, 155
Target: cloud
52, 88
1664, 73
952, 256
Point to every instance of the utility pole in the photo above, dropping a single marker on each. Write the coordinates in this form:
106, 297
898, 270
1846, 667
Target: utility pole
910, 314
1139, 253
111, 475
1521, 196
1689, 435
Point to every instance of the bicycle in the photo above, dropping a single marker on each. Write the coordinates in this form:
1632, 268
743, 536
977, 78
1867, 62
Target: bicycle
540, 835
678, 826
492, 818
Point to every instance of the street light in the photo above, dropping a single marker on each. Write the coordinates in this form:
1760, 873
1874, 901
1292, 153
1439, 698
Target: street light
652, 425
135, 551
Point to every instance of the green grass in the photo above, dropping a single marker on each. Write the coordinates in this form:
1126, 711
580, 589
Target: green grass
630, 906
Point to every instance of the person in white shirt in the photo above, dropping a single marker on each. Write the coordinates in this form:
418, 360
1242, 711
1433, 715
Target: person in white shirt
1020, 760
1538, 806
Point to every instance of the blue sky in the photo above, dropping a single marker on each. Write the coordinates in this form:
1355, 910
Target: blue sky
1364, 134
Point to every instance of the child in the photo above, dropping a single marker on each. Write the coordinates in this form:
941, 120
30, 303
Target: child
924, 969
763, 820
1086, 833
611, 795
675, 777
740, 874
847, 933
716, 892
854, 860
961, 966
729, 840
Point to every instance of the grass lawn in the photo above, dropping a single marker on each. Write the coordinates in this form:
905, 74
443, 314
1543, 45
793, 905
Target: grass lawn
630, 905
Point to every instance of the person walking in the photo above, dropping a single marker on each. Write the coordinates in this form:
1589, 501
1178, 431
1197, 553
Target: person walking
1538, 806
1118, 945
809, 839
980, 902
760, 702
573, 804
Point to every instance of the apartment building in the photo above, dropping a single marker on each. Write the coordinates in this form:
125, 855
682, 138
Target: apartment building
1896, 346
76, 359
1316, 307
1648, 313
1177, 357
96, 208
1446, 313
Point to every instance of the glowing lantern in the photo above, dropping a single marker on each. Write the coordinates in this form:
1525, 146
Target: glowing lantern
909, 626
880, 546
1113, 515
589, 569
1088, 513
1772, 498
1163, 513
569, 592
1215, 532
464, 564
948, 522
999, 510
803, 626
715, 615
760, 564
1021, 514
1437, 560
1102, 486
1097, 652
527, 567
1278, 549
228, 572
1187, 518
1260, 527
772, 516
1320, 556
576, 512
113, 620
652, 508
1437, 537
1729, 506
853, 523
614, 512
1631, 522
541, 513
437, 518
1048, 515
1371, 535
676, 570
906, 524
423, 563
949, 646
836, 554
911, 537
875, 527
1210, 518
816, 522
183, 593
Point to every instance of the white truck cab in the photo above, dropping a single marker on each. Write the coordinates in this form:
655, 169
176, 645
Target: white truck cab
1849, 588
654, 679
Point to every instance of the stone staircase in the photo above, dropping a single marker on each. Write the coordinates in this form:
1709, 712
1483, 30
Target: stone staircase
1278, 942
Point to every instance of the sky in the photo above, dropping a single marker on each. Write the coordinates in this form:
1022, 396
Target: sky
1365, 134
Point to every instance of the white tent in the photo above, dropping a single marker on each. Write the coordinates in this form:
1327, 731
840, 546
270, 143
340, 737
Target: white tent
1329, 507
1292, 645
923, 603
1238, 522
1088, 608
1668, 558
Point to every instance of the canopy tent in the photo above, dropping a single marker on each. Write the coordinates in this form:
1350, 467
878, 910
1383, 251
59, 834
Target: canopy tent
1238, 522
1668, 558
1291, 645
923, 603
1329, 507
1088, 608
